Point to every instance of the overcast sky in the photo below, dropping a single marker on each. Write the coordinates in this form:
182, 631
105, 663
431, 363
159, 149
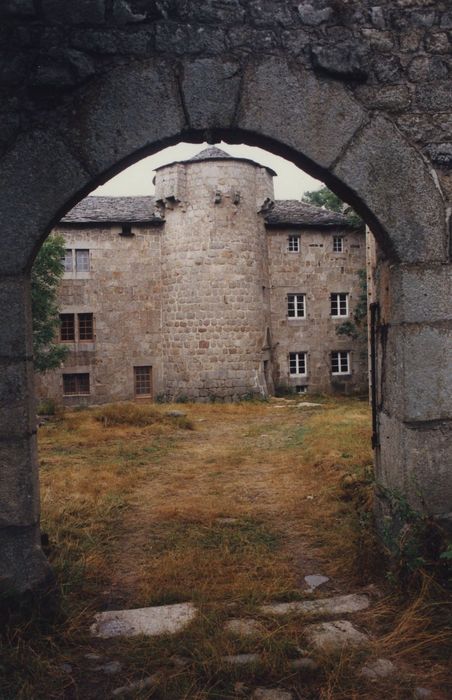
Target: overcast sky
290, 182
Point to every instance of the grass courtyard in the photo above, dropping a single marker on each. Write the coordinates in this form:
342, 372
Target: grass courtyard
228, 506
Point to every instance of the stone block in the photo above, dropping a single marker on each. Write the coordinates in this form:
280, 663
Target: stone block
23, 566
420, 294
409, 209
131, 109
15, 338
334, 636
17, 415
19, 491
315, 117
211, 91
74, 12
418, 378
24, 169
337, 605
414, 460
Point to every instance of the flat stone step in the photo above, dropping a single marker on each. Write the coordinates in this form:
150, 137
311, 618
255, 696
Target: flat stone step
164, 619
333, 636
337, 605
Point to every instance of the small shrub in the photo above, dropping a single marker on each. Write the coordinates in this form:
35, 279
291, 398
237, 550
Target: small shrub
47, 407
128, 414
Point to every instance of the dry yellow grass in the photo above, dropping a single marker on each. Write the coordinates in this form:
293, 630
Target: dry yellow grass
230, 514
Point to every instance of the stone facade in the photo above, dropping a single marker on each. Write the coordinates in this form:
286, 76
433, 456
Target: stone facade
199, 293
357, 94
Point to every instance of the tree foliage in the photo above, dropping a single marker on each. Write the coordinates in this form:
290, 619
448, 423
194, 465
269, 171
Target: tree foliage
357, 329
46, 274
327, 199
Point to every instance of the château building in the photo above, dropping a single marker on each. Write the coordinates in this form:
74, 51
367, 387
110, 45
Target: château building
208, 290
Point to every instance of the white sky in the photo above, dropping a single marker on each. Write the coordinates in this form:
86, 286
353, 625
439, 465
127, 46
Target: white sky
290, 182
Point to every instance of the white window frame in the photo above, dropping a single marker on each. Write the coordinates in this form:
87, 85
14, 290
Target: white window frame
299, 360
335, 297
338, 244
293, 244
298, 302
342, 358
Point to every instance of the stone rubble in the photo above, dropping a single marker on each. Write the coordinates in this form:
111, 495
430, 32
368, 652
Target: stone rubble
316, 580
164, 619
380, 668
337, 605
333, 636
271, 694
244, 627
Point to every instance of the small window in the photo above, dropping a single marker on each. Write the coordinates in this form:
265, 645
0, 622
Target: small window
340, 362
338, 244
126, 230
301, 388
75, 384
68, 261
67, 327
82, 260
296, 305
293, 244
143, 383
297, 363
85, 327
339, 304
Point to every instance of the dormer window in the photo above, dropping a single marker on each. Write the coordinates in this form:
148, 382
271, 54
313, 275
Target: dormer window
293, 244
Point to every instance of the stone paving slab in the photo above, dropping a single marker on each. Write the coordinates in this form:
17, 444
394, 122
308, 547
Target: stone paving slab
334, 635
337, 605
164, 619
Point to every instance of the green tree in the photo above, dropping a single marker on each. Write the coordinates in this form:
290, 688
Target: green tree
325, 198
357, 329
46, 274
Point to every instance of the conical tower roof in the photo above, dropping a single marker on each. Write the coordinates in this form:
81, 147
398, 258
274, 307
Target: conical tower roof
215, 153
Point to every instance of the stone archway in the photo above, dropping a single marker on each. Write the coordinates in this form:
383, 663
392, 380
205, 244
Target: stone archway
137, 109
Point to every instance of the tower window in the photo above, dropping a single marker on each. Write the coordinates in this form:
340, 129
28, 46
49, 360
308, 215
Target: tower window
339, 304
338, 244
293, 244
143, 381
75, 384
297, 363
296, 305
340, 362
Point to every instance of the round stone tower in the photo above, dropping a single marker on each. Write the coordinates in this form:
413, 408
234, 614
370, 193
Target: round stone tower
215, 296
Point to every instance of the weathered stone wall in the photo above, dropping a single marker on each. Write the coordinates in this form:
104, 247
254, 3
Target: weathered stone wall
122, 291
357, 93
215, 302
316, 271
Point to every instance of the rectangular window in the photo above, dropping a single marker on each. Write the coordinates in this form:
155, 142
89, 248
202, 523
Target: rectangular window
68, 260
293, 244
82, 260
338, 244
301, 388
85, 327
143, 383
75, 384
340, 362
297, 363
67, 327
339, 304
296, 305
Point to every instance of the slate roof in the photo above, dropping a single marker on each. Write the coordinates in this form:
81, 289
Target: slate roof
97, 210
292, 212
